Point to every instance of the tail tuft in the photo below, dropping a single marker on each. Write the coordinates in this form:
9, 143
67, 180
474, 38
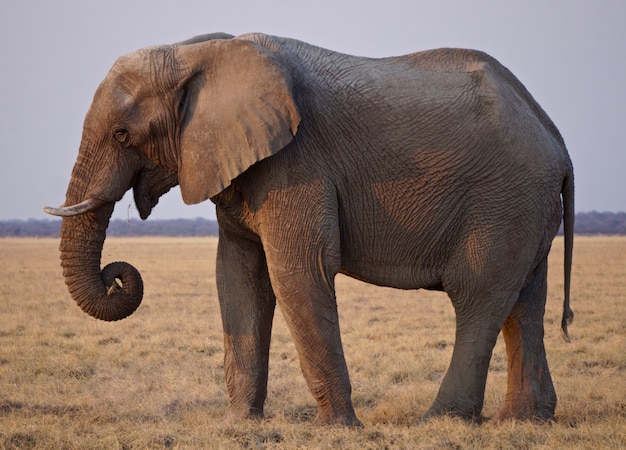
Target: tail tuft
568, 318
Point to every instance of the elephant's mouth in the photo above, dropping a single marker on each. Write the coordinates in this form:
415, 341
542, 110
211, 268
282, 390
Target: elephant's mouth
78, 209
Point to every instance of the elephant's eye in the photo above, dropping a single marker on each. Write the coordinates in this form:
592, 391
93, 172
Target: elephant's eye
121, 136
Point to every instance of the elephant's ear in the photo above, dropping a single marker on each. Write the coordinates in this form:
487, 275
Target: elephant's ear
238, 109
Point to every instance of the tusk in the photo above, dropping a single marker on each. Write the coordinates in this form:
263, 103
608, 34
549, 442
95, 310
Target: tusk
76, 210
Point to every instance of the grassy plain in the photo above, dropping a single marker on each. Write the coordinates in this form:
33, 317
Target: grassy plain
155, 380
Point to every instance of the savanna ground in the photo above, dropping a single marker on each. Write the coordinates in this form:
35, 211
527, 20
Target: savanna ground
155, 380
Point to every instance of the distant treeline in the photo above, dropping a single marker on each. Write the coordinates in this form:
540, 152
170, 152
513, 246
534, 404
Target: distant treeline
600, 223
117, 227
586, 223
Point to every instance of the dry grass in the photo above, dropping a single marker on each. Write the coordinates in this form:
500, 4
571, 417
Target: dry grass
155, 380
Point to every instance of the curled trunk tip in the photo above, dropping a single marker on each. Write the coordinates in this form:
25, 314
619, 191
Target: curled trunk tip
121, 296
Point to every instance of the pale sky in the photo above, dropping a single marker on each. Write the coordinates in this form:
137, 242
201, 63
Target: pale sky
570, 54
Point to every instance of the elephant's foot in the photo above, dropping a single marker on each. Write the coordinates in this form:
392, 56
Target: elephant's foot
336, 410
236, 414
343, 420
454, 407
521, 408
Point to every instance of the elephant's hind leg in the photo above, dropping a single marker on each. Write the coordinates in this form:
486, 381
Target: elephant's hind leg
530, 392
462, 389
483, 286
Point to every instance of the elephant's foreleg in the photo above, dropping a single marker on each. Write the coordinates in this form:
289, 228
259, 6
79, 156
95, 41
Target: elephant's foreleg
247, 304
302, 275
314, 323
530, 392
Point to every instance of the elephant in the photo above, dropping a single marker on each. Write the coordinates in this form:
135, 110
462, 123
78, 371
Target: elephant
434, 170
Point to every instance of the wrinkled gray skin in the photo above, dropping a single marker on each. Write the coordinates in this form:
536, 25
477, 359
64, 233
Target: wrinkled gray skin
434, 170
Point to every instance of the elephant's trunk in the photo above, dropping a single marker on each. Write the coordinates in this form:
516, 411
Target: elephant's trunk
111, 294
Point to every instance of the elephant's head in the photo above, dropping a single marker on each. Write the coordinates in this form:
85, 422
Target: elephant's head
198, 114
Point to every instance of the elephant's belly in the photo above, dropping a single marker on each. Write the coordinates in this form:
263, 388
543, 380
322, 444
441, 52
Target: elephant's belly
402, 276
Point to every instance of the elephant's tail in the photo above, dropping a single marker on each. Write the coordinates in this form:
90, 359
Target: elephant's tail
567, 192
